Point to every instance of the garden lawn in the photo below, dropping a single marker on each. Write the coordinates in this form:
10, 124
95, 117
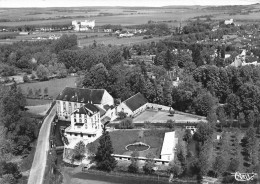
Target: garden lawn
154, 138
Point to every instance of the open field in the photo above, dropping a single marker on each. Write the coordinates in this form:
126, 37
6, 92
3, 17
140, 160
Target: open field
54, 86
163, 116
102, 15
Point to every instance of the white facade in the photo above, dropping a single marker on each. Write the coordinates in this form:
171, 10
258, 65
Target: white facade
83, 128
124, 108
83, 25
65, 108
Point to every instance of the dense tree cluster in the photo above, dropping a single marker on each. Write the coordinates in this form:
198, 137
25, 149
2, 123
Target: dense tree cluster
21, 131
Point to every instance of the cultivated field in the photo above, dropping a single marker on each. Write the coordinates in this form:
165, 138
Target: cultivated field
163, 116
102, 15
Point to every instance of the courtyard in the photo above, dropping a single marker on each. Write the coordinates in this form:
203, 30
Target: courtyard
163, 116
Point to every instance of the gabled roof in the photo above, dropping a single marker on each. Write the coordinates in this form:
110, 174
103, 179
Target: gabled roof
136, 101
87, 109
81, 95
102, 111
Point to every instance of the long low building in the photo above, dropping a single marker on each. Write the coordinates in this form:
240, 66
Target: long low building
169, 144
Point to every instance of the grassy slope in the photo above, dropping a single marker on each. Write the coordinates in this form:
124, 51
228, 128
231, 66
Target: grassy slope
55, 86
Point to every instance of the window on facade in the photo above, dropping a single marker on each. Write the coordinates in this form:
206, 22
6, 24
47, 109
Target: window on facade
86, 126
78, 126
75, 120
70, 107
89, 135
75, 134
80, 120
75, 106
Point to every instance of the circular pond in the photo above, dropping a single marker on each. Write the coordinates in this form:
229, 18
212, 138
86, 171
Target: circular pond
137, 147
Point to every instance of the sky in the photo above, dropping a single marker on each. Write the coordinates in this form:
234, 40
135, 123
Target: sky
149, 3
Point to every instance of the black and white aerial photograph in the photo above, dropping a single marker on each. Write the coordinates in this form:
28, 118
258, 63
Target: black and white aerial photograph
129, 91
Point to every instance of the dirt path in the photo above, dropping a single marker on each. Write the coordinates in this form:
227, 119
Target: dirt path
40, 157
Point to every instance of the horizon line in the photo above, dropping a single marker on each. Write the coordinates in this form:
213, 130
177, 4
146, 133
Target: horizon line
165, 6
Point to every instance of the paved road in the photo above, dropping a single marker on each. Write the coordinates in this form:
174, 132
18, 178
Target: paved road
40, 157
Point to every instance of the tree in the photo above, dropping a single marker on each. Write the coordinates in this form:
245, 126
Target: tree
25, 78
33, 76
8, 179
204, 132
10, 168
105, 161
205, 158
11, 101
167, 90
187, 135
122, 115
219, 166
212, 116
133, 167
169, 61
170, 124
126, 124
175, 168
234, 165
42, 72
97, 77
79, 151
65, 42
250, 119
45, 91
221, 116
196, 55
241, 119
149, 164
204, 103
250, 143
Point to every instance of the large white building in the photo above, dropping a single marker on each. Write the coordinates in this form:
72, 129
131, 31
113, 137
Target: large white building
71, 99
85, 126
83, 25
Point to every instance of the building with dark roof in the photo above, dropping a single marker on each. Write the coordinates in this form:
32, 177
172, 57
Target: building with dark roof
71, 99
85, 126
133, 105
